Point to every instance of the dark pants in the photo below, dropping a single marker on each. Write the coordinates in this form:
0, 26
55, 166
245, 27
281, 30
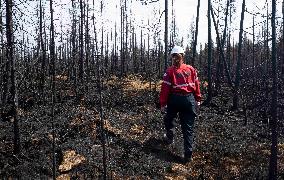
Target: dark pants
185, 107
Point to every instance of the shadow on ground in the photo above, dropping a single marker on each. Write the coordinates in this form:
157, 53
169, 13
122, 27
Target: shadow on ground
160, 150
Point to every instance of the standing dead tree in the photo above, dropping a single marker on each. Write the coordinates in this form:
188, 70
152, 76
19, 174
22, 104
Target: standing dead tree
87, 47
209, 56
282, 43
238, 70
52, 57
101, 111
195, 34
273, 123
166, 35
10, 61
42, 45
81, 60
220, 47
1, 58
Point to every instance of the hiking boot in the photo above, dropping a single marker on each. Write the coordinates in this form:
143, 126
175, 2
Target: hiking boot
187, 158
167, 140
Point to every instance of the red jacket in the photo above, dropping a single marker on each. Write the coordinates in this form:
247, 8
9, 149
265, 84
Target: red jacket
182, 80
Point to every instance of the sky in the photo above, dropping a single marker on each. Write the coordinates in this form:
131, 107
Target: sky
184, 11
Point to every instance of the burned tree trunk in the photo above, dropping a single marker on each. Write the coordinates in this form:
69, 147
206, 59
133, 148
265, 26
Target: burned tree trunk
238, 70
43, 53
273, 123
221, 49
2, 67
126, 38
103, 134
282, 43
6, 66
166, 35
10, 58
195, 35
122, 45
87, 48
209, 75
52, 57
81, 61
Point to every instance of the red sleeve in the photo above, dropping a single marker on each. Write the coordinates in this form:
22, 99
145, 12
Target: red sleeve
197, 93
165, 88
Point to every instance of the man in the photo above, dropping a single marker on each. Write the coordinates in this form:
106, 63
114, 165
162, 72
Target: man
180, 94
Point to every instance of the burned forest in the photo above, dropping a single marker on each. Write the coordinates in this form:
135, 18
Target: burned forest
80, 82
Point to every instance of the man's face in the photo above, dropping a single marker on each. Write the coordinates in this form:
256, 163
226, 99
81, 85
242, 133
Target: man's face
176, 59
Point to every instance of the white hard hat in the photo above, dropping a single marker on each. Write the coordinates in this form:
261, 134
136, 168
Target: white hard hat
177, 49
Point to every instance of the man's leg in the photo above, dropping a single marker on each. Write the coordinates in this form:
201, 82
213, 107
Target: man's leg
169, 122
187, 124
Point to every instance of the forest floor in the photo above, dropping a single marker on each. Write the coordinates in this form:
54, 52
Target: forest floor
224, 147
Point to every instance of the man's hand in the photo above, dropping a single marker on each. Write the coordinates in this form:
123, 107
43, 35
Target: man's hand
163, 109
197, 107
